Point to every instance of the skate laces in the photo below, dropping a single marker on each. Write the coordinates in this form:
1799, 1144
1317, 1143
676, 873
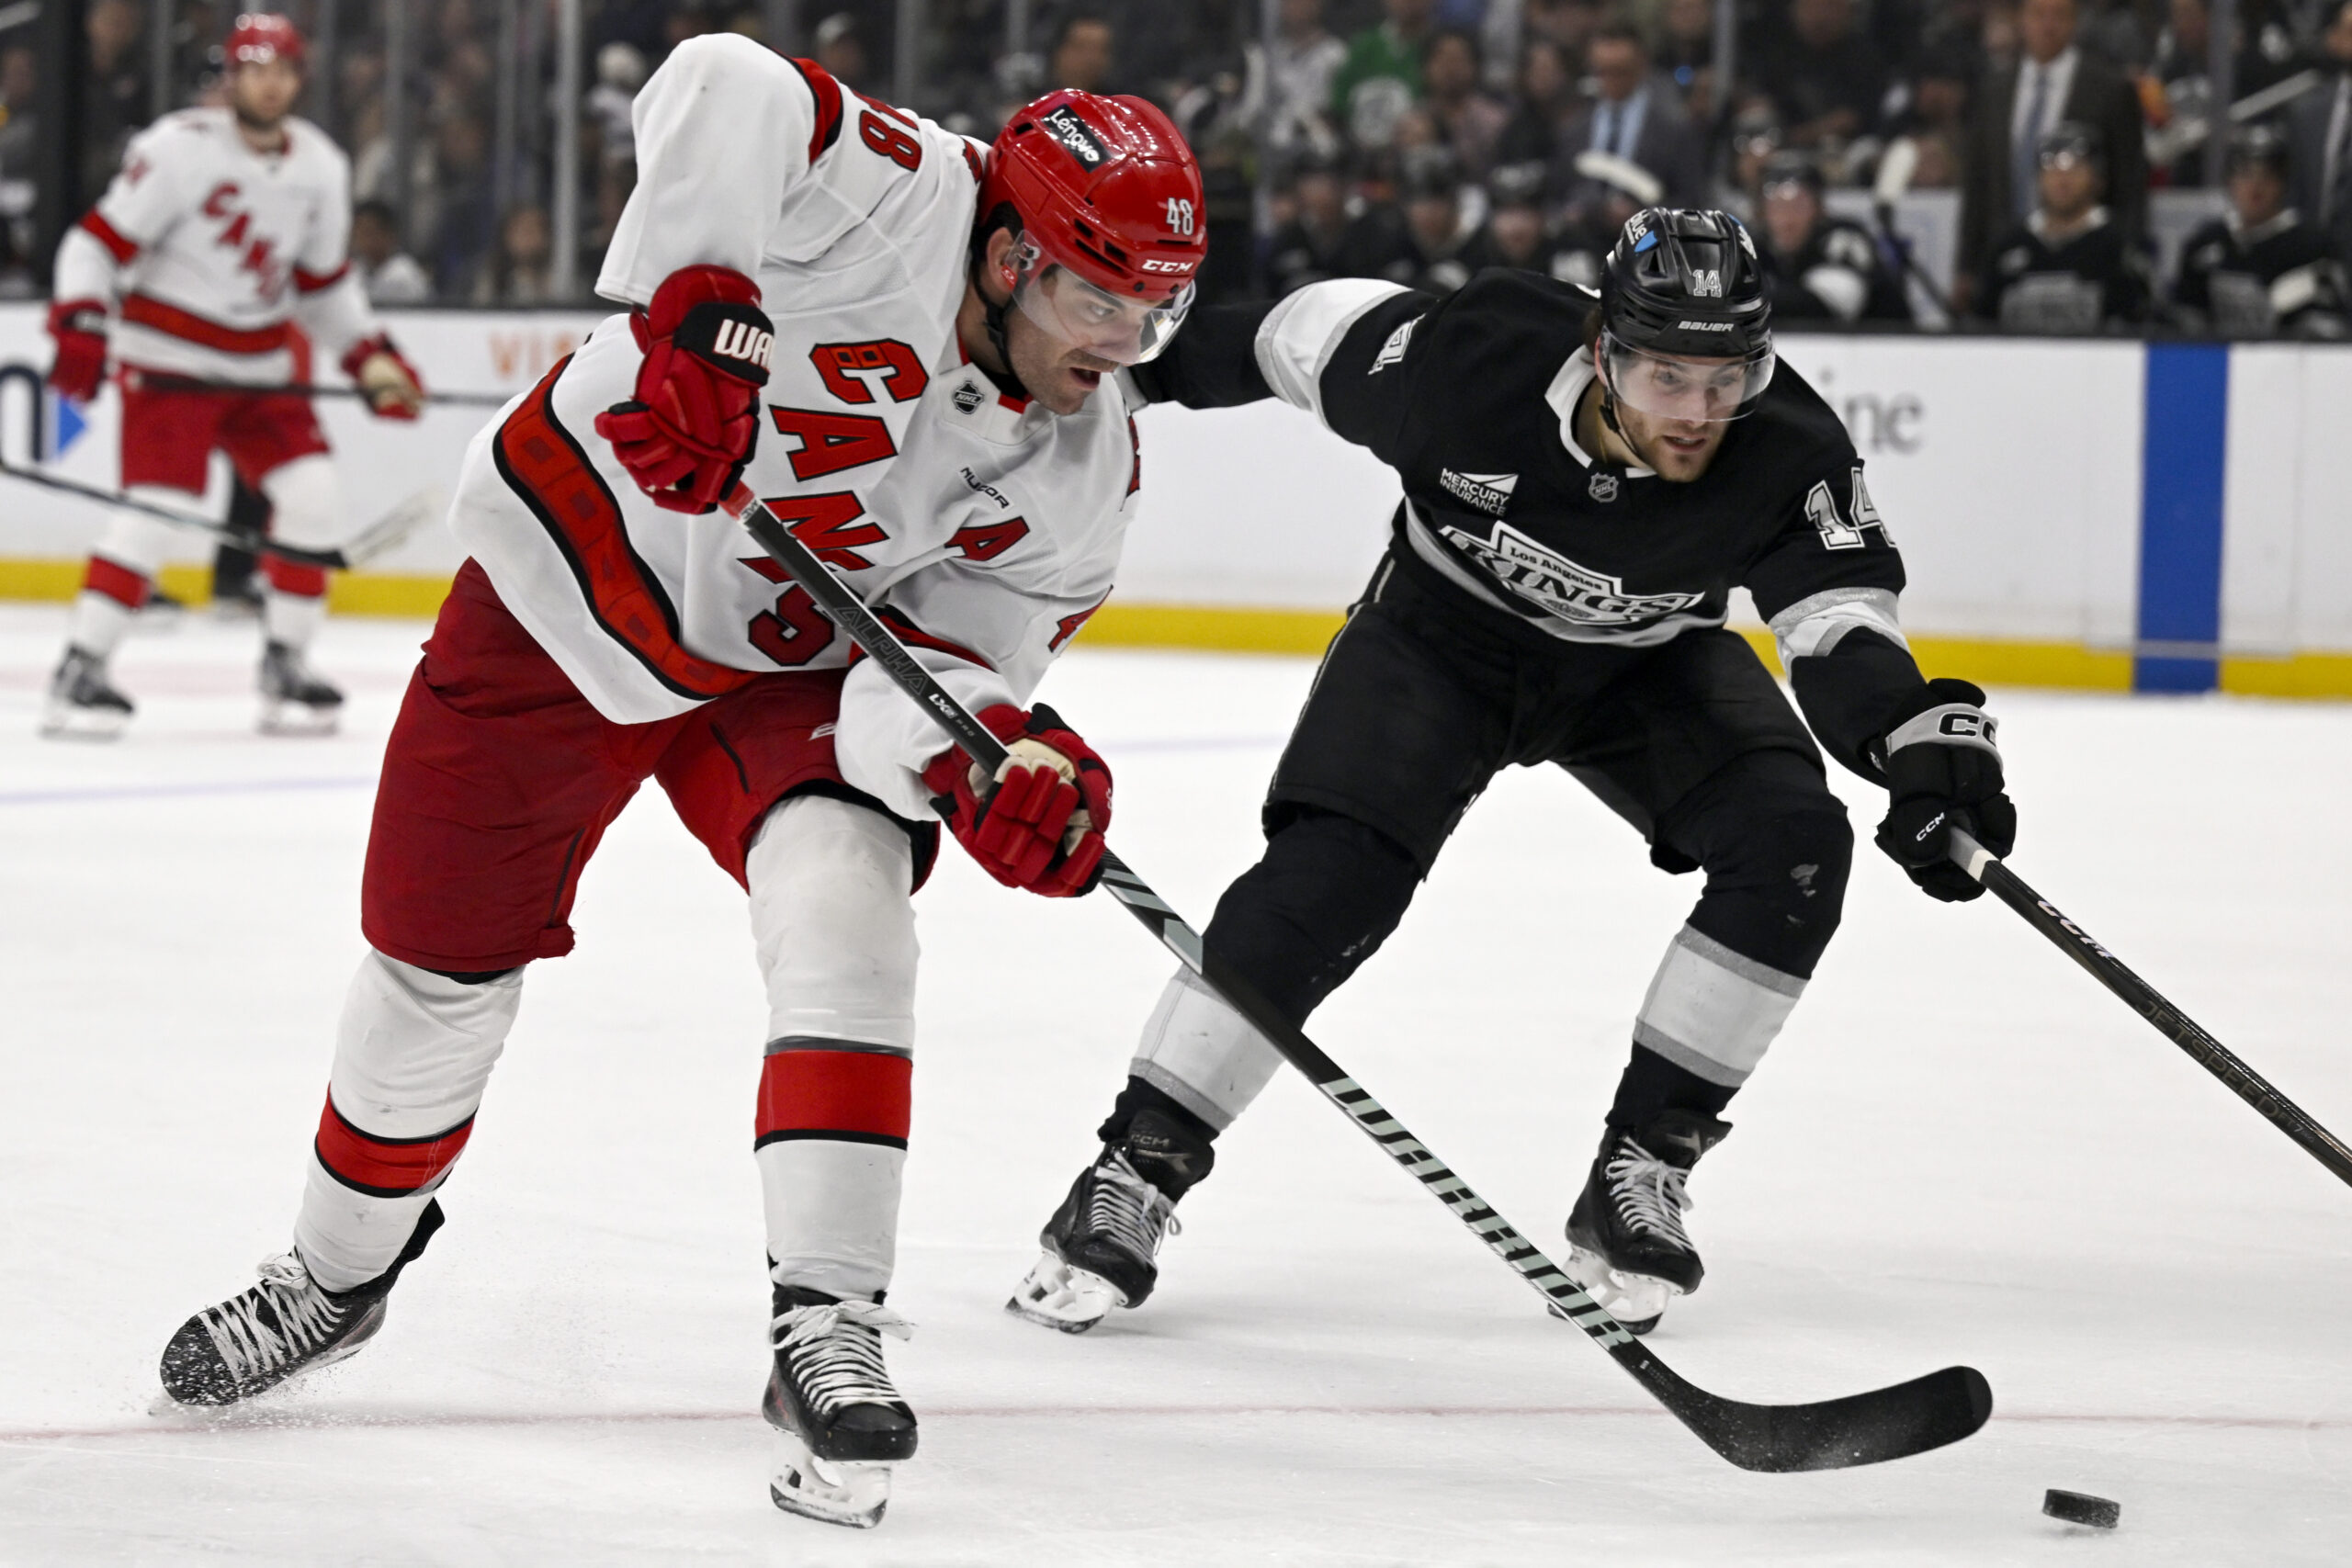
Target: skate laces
836, 1351
1125, 1207
1648, 1193
300, 1317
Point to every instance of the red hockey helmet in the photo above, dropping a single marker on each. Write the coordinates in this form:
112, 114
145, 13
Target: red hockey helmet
1106, 191
265, 35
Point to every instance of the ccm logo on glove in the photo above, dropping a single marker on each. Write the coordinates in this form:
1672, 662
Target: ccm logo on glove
1943, 771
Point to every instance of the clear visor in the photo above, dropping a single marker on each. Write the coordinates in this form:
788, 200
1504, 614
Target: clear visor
1094, 320
1690, 389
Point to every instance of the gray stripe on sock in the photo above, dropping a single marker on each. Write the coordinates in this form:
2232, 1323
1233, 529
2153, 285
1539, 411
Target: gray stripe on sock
777, 1047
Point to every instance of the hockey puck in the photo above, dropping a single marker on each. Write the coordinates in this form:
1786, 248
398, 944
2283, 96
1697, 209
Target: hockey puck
2082, 1509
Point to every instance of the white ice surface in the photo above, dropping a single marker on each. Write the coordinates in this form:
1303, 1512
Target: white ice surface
1960, 1150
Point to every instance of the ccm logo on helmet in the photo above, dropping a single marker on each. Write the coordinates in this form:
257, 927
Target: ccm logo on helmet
1155, 263
1072, 132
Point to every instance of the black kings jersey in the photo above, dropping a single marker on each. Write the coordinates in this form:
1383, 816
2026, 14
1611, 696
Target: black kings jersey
1472, 401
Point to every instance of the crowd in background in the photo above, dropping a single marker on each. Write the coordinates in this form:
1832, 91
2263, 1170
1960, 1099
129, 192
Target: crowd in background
1413, 139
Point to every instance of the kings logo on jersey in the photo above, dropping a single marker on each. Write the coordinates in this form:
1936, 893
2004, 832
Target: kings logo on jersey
1558, 585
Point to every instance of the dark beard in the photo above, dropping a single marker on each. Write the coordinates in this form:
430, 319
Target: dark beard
259, 127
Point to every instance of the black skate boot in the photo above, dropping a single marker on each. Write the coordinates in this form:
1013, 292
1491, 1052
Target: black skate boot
83, 703
1100, 1244
840, 1424
285, 1324
294, 699
1626, 1243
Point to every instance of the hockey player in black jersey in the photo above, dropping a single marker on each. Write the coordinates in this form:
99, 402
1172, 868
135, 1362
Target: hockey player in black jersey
2261, 271
1583, 488
2067, 268
1822, 269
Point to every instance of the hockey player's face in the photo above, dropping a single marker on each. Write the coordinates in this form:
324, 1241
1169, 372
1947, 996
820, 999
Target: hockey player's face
262, 91
1059, 374
1678, 449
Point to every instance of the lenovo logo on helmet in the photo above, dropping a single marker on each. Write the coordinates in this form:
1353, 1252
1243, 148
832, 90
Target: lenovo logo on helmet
1157, 264
1072, 132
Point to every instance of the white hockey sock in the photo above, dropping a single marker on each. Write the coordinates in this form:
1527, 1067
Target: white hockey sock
1201, 1054
411, 1057
292, 618
122, 573
835, 932
1712, 1012
97, 622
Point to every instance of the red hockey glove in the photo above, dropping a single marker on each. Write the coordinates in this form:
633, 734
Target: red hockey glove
687, 433
80, 328
390, 383
1043, 827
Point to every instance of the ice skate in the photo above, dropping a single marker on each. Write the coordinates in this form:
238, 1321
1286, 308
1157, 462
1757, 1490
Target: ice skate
840, 1424
287, 1323
1626, 1241
294, 699
1100, 1245
83, 703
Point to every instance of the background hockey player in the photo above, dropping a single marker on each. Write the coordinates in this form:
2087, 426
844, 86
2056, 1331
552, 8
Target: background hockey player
1583, 488
2069, 267
2261, 271
226, 226
923, 402
1821, 267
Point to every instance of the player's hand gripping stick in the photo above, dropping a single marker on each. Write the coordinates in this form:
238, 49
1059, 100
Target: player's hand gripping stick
1862, 1428
2174, 1025
1036, 820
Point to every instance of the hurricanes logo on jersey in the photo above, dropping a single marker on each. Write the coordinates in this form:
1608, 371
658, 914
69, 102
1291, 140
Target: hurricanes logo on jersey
1574, 594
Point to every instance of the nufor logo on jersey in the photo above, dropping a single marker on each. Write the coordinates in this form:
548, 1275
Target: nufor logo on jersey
1573, 592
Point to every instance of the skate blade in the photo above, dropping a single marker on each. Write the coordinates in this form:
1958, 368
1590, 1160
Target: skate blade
279, 718
1062, 1297
1637, 1300
833, 1492
63, 721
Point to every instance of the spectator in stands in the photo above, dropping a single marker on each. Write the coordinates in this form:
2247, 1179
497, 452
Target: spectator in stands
2054, 81
1545, 98
1823, 76
464, 221
1305, 61
1755, 138
1382, 74
1515, 234
1308, 243
1569, 23
1932, 115
2183, 64
1467, 121
1822, 269
1632, 117
2069, 268
838, 46
521, 269
2261, 271
1685, 55
1084, 47
115, 93
2319, 125
1418, 240
389, 274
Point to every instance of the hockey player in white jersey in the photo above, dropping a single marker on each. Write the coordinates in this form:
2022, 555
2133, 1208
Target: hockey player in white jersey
226, 227
911, 355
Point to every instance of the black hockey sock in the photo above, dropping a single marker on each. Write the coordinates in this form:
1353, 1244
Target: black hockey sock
1169, 1146
1653, 1085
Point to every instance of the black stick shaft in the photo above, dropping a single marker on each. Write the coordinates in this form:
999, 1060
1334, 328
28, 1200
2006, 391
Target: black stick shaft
245, 538
2144, 999
158, 381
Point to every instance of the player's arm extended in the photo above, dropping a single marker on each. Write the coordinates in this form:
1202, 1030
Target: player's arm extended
334, 309
141, 205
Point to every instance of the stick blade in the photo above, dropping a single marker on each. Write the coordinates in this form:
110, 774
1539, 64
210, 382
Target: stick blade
1837, 1434
391, 530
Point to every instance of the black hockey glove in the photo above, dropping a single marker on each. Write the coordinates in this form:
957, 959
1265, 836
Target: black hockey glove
1942, 771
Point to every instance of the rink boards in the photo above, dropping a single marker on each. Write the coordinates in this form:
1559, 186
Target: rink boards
2112, 515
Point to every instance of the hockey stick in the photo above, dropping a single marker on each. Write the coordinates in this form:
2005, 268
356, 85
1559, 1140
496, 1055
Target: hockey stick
2142, 998
159, 381
371, 542
1865, 1429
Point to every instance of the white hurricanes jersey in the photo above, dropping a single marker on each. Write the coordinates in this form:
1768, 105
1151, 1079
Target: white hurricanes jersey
990, 527
205, 248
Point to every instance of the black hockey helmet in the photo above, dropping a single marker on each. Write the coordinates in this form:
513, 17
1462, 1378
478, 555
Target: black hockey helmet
2070, 141
2260, 147
1681, 285
1792, 168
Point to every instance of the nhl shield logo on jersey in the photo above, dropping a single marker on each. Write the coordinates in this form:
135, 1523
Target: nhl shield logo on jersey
1603, 487
969, 396
1488, 493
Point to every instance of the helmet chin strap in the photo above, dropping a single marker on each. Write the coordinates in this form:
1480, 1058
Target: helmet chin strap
992, 318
